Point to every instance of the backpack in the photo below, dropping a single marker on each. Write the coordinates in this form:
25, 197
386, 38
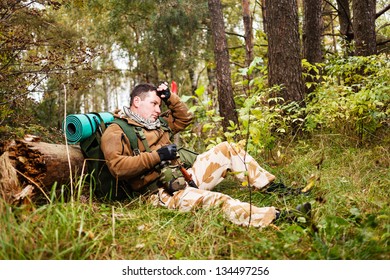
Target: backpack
105, 185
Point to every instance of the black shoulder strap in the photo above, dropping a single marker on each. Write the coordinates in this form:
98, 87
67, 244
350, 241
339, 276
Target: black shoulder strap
99, 122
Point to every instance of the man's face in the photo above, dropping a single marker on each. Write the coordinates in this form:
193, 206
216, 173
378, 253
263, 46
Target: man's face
149, 108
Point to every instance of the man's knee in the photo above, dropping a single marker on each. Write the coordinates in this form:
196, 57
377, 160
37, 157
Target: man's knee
223, 148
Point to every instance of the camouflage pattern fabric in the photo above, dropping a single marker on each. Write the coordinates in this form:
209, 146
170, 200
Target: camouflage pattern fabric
209, 169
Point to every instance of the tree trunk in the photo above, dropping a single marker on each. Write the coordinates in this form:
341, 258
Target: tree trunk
344, 15
364, 13
9, 182
312, 31
227, 108
247, 19
312, 37
106, 95
38, 164
284, 50
264, 16
210, 67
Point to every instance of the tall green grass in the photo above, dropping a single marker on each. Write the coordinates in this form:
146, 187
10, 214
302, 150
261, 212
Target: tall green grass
351, 216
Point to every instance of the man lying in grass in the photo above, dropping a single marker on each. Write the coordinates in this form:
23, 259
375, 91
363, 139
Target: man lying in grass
152, 168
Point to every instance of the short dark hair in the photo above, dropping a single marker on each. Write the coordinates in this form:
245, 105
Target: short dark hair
141, 90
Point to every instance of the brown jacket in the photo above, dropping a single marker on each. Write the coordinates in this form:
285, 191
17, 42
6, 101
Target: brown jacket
138, 171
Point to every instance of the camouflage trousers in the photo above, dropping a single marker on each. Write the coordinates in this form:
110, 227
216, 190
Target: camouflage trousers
209, 169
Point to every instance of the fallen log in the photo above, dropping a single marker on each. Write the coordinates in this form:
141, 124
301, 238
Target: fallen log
30, 163
9, 182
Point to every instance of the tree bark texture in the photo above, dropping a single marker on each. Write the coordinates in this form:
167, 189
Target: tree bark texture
264, 16
364, 14
38, 164
247, 19
9, 182
312, 31
312, 37
227, 108
284, 49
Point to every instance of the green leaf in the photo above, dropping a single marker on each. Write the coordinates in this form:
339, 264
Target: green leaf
186, 98
200, 91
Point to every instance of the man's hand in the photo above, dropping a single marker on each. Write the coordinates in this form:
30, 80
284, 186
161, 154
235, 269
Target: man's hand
163, 91
167, 152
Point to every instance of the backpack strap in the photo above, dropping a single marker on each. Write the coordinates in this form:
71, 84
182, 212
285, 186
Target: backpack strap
129, 130
99, 122
100, 128
141, 135
134, 132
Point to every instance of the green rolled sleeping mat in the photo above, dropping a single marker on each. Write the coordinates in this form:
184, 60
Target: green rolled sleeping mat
79, 127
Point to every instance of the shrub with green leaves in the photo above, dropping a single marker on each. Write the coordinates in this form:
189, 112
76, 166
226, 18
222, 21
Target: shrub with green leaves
206, 130
353, 98
264, 117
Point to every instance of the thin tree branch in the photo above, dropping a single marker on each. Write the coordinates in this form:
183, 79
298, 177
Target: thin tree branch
383, 26
384, 10
383, 42
331, 4
234, 34
226, 32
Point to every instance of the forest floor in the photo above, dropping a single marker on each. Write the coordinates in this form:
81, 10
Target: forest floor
350, 216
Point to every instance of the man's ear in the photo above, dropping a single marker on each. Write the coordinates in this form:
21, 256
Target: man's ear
136, 101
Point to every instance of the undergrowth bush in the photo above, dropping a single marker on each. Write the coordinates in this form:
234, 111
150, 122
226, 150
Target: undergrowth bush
353, 97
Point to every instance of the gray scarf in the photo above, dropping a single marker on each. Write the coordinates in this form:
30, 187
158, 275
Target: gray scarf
146, 123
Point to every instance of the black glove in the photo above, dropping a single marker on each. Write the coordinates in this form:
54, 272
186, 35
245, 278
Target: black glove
166, 92
167, 152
